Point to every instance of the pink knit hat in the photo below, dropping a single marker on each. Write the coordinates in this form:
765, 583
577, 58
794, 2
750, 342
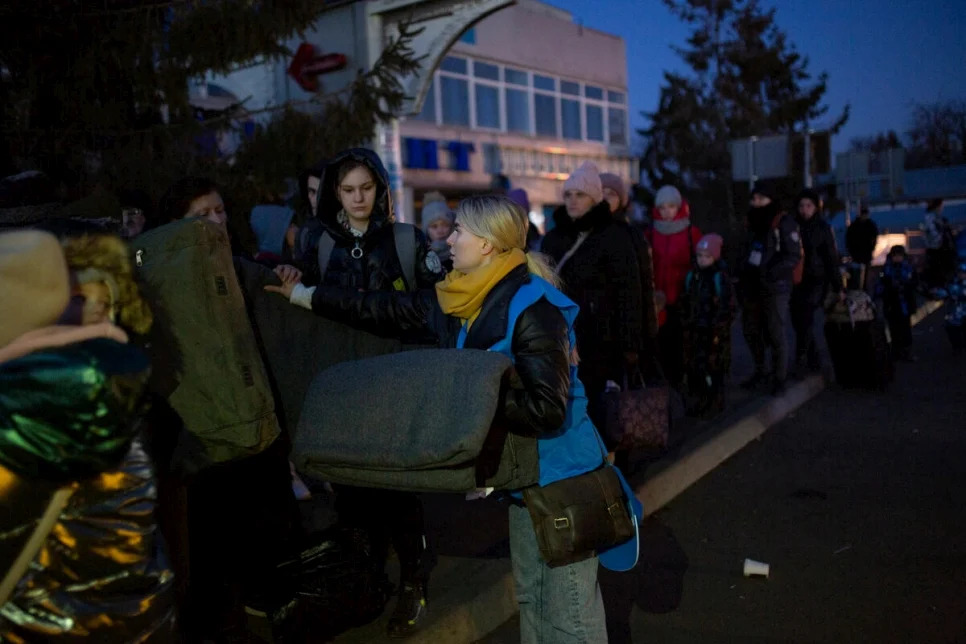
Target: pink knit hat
586, 179
710, 244
615, 183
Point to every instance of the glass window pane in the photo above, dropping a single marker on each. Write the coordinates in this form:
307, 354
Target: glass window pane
455, 65
487, 106
595, 123
544, 82
428, 112
469, 36
517, 111
456, 101
545, 109
570, 115
617, 124
615, 97
486, 70
593, 92
515, 76
568, 87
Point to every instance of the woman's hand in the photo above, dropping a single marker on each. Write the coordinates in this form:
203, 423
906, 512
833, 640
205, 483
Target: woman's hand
289, 275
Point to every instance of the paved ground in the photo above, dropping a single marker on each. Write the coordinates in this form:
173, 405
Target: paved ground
856, 502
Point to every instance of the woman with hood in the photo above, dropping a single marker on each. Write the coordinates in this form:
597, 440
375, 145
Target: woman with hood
354, 210
354, 221
673, 238
79, 546
502, 298
598, 266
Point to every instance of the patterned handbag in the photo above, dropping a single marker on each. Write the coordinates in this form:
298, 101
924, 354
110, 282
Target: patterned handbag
637, 416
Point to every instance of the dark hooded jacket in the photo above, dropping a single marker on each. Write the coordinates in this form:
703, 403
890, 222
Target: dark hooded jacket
821, 270
378, 267
775, 244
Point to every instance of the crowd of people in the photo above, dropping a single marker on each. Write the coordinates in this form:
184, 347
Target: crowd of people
126, 547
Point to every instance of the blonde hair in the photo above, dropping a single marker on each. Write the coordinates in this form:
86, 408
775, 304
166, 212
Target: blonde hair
107, 256
504, 224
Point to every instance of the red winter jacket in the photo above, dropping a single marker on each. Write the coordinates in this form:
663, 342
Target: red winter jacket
672, 252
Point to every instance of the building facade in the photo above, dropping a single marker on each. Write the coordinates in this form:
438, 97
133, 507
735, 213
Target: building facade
528, 94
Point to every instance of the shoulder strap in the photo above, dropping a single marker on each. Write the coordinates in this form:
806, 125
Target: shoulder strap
581, 238
326, 244
717, 283
404, 235
687, 281
36, 540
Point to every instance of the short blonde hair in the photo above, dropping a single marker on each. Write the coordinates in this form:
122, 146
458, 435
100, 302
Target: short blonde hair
504, 224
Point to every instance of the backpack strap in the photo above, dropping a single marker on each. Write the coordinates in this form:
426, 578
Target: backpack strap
404, 235
326, 244
717, 283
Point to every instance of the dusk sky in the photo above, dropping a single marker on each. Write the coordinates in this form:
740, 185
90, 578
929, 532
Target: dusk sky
881, 55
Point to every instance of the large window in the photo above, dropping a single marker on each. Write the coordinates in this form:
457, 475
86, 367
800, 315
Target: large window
472, 93
617, 125
456, 101
595, 123
517, 111
570, 119
487, 106
545, 110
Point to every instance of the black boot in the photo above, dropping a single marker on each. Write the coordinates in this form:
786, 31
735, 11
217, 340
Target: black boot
410, 612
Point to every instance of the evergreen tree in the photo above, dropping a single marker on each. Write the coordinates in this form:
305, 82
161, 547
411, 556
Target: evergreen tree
96, 93
746, 79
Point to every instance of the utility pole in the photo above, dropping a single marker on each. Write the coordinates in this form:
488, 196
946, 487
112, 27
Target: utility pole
751, 163
808, 157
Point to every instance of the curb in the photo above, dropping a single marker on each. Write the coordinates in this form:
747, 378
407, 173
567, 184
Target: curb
495, 603
710, 451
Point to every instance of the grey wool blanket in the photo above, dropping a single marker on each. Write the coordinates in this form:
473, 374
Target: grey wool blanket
418, 420
296, 344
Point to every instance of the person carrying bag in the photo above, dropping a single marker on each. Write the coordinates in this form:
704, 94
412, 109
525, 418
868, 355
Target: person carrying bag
500, 298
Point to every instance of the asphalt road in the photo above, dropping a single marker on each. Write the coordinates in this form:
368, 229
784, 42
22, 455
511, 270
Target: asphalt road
857, 504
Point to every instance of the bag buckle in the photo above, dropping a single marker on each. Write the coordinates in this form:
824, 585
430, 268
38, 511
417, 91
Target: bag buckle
561, 523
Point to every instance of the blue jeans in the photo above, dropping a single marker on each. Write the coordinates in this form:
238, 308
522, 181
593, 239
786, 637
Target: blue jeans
557, 605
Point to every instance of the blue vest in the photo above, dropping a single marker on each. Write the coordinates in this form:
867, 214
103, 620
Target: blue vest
576, 448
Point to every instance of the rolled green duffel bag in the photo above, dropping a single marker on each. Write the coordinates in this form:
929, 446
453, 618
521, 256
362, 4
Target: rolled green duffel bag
419, 420
204, 355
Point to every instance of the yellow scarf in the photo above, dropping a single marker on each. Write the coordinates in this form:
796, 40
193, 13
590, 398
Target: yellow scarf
462, 294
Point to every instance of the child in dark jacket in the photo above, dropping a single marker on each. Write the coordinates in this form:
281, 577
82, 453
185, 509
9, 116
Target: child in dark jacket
708, 312
897, 289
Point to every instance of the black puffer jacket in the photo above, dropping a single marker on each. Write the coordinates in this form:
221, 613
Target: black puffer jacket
603, 277
821, 268
536, 399
377, 268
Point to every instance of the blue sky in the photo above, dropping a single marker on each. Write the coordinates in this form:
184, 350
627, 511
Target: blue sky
881, 55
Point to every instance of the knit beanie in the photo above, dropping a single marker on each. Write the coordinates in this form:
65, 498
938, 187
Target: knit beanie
519, 197
668, 194
586, 179
435, 211
34, 282
615, 183
710, 244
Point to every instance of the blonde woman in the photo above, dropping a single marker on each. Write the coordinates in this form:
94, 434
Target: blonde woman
500, 297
